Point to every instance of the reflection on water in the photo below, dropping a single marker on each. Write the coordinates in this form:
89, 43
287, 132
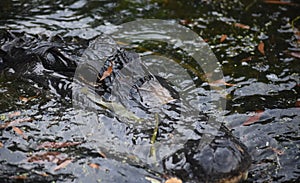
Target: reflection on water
263, 88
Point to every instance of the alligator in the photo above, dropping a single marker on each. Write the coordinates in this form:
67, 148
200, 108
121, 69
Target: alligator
51, 63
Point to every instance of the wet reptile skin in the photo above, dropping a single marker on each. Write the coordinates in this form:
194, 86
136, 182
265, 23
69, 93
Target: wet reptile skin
225, 159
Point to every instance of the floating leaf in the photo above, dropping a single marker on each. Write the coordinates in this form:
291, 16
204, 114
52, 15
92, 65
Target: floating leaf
16, 122
242, 26
42, 173
63, 164
26, 99
295, 54
14, 114
47, 156
107, 73
20, 177
185, 22
261, 47
247, 59
223, 38
1, 144
57, 145
254, 119
17, 130
297, 104
278, 2
94, 165
173, 180
220, 82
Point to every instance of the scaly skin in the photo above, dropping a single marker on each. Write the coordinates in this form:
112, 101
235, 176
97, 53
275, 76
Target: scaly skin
224, 160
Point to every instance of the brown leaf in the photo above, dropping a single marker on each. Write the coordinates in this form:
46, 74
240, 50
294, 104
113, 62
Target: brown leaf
2, 126
47, 156
173, 180
57, 144
26, 99
1, 144
278, 2
19, 177
297, 104
42, 173
14, 114
223, 38
247, 59
295, 54
253, 119
107, 73
221, 82
63, 164
94, 165
261, 47
242, 26
15, 122
18, 130
185, 22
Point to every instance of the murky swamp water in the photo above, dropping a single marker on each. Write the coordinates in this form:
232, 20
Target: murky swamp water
257, 44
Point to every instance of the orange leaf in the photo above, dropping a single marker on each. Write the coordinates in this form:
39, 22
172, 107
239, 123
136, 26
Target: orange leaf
243, 26
15, 122
18, 121
106, 73
173, 180
94, 165
1, 144
295, 54
63, 164
14, 114
57, 144
261, 47
25, 99
221, 82
17, 130
223, 38
253, 119
47, 156
278, 2
19, 177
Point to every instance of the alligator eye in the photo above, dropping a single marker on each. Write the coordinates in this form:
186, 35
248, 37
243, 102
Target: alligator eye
50, 60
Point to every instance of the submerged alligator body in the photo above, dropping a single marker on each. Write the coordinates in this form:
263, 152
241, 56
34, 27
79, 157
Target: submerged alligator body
51, 63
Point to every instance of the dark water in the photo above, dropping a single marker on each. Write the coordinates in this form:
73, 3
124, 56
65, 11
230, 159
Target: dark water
262, 105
